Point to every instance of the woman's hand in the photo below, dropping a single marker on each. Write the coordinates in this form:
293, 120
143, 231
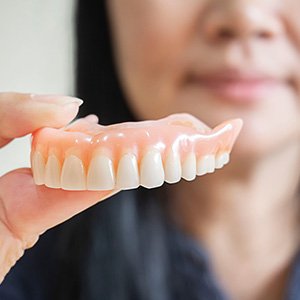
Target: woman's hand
28, 210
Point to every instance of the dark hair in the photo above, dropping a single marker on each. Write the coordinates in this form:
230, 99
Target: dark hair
115, 250
97, 79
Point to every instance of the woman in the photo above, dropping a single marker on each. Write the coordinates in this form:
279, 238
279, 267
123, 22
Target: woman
233, 234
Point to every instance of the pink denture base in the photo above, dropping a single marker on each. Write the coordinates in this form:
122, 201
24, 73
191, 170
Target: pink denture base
182, 133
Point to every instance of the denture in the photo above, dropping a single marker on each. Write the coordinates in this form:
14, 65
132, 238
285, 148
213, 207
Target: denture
88, 156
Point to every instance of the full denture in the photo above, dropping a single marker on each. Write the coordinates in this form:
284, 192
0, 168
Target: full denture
88, 156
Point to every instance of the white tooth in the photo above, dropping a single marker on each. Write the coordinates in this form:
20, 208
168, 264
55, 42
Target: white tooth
73, 175
211, 163
201, 166
189, 167
172, 167
152, 171
38, 168
127, 174
221, 160
101, 174
52, 172
226, 158
206, 164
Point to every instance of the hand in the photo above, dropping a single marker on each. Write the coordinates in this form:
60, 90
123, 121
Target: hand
28, 210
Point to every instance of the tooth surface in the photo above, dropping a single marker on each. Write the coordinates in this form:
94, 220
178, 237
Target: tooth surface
172, 167
189, 167
101, 174
211, 163
52, 172
206, 164
222, 159
127, 174
38, 166
226, 158
151, 170
73, 175
219, 161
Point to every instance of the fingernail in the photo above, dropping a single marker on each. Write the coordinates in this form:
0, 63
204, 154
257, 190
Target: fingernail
56, 99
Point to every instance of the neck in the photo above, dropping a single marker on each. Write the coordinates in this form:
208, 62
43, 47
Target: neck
243, 214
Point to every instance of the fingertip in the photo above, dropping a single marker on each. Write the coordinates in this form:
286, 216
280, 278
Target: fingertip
57, 99
61, 117
25, 113
92, 118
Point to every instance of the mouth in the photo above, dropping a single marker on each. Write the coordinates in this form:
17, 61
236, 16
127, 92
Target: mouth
238, 86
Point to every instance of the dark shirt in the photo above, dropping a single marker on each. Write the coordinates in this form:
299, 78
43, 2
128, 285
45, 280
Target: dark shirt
192, 278
194, 273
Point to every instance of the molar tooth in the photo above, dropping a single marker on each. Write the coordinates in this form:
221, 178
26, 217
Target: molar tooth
219, 161
52, 172
189, 167
152, 171
226, 158
206, 164
73, 175
222, 159
172, 167
38, 166
127, 174
101, 173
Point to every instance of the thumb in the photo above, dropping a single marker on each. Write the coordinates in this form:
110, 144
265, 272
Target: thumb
30, 209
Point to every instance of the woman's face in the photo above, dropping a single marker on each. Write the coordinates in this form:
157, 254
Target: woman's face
215, 59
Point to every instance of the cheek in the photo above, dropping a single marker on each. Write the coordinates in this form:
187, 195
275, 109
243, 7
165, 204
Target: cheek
291, 9
149, 43
271, 127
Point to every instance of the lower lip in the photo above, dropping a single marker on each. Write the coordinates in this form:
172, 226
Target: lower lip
240, 90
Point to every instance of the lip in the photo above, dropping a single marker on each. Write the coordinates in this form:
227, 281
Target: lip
237, 86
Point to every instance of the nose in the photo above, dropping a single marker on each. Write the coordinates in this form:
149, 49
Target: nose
240, 20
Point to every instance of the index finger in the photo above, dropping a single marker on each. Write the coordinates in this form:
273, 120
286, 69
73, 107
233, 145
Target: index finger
21, 114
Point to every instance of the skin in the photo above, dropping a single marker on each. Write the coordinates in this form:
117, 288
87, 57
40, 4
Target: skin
246, 215
28, 210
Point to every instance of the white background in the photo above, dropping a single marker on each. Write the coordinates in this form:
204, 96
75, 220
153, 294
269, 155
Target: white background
36, 55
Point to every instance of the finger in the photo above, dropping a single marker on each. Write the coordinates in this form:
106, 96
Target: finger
32, 209
92, 118
83, 124
21, 114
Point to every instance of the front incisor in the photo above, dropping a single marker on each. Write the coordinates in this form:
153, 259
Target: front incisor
101, 174
73, 174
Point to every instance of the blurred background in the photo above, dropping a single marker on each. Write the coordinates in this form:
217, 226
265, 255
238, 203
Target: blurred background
36, 56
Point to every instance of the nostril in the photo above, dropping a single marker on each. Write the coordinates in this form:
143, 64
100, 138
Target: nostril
226, 34
264, 35
239, 21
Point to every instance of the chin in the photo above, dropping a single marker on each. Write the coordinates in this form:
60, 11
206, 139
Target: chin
259, 141
251, 147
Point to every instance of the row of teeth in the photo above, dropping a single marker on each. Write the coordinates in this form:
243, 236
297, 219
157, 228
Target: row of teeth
101, 175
